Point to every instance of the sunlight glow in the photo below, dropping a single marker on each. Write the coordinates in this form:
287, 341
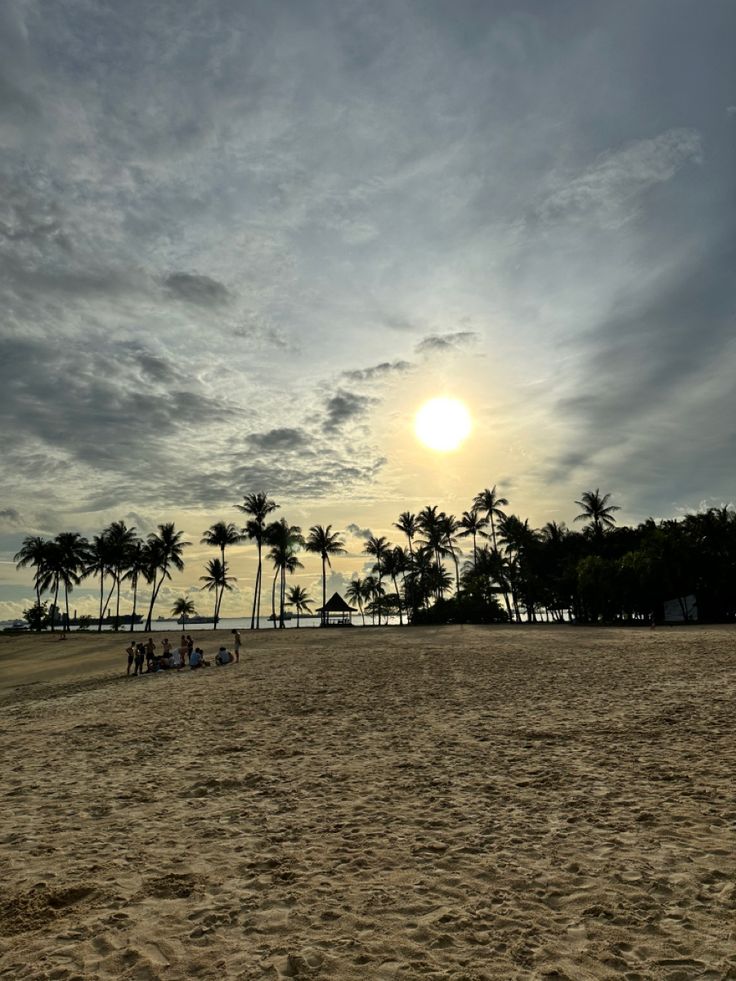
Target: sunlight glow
443, 424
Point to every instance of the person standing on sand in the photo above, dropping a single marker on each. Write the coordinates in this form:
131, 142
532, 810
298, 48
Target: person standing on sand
150, 652
236, 645
189, 643
130, 651
166, 646
140, 656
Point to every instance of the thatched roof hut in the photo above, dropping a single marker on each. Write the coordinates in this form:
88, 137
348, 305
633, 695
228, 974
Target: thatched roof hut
336, 612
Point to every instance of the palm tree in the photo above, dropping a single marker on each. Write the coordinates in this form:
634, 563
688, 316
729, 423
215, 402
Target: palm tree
284, 540
220, 535
183, 608
32, 552
519, 540
487, 573
417, 587
473, 523
121, 541
217, 580
490, 502
409, 524
378, 547
428, 521
73, 557
439, 580
374, 593
434, 527
324, 542
299, 599
393, 564
356, 593
258, 506
135, 569
99, 563
597, 511
165, 550
449, 526
49, 576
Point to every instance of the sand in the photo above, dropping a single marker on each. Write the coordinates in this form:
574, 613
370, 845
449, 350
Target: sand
458, 803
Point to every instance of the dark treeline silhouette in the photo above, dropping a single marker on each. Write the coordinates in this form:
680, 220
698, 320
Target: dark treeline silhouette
513, 572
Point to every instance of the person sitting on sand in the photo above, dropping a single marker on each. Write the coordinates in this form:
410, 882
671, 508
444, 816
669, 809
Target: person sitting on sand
130, 651
197, 659
175, 660
236, 645
223, 656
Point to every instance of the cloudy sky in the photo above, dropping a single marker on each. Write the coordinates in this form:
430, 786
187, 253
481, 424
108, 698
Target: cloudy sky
242, 242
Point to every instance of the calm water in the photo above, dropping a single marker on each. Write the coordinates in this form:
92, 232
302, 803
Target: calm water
230, 623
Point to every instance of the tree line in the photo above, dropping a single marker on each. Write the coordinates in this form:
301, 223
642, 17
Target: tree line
512, 572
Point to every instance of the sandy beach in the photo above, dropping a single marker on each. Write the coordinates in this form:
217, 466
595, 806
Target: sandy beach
462, 803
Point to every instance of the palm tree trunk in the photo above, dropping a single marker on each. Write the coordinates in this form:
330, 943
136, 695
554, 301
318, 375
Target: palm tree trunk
135, 599
38, 604
66, 608
222, 588
255, 618
117, 603
102, 582
475, 552
154, 594
109, 596
273, 598
53, 611
398, 596
362, 612
324, 592
282, 591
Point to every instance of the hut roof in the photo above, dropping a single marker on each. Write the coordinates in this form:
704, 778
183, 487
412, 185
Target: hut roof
336, 604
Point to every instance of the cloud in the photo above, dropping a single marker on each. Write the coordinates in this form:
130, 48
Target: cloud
358, 532
446, 342
383, 370
344, 406
609, 189
117, 407
200, 290
292, 476
397, 322
10, 519
654, 389
278, 439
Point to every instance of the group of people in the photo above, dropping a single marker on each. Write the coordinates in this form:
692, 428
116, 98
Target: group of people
175, 658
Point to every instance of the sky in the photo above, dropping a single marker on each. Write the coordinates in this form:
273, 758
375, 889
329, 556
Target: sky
241, 243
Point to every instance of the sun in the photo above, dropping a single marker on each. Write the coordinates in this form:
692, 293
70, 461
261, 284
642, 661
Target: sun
443, 424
